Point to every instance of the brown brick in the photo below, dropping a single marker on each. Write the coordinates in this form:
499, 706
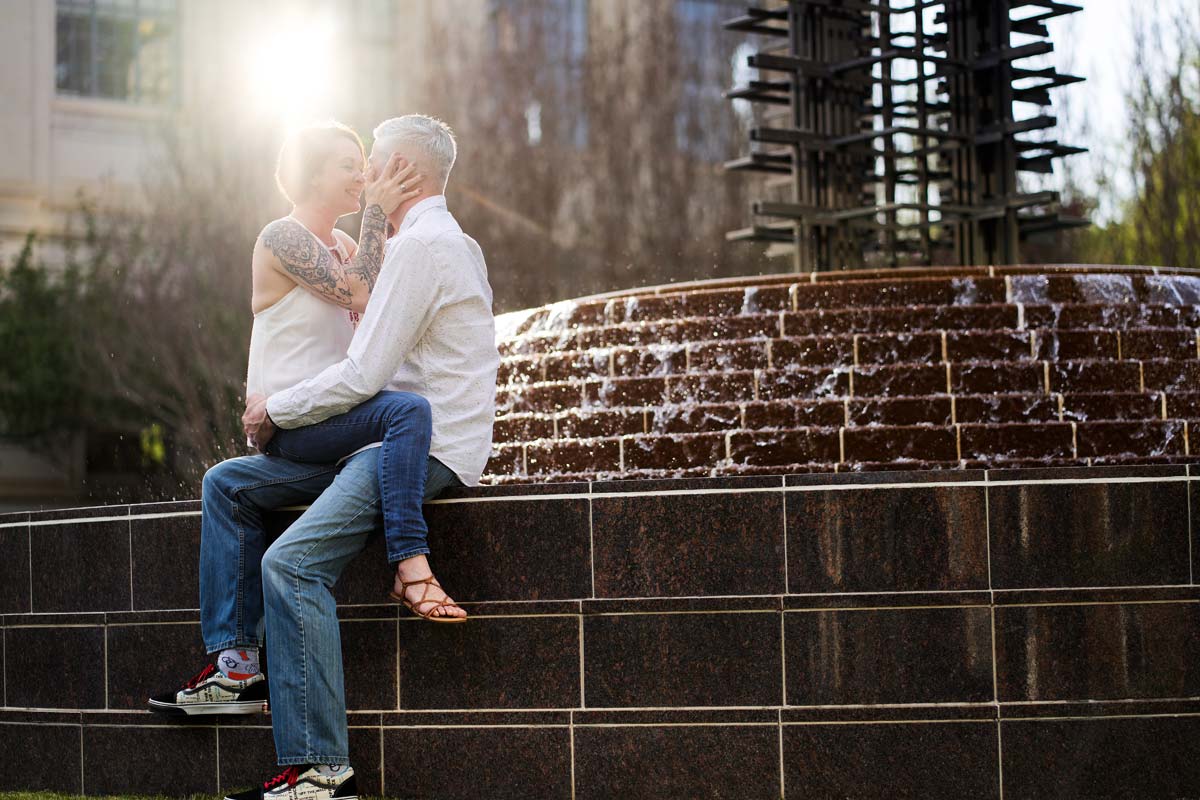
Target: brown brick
674, 452
727, 356
1095, 376
770, 415
911, 442
1177, 375
796, 384
988, 346
649, 360
1063, 345
648, 309
715, 303
536, 344
519, 370
543, 397
798, 446
1020, 440
505, 460
731, 387
625, 392
899, 348
1005, 377
575, 365
1172, 343
812, 351
899, 319
1184, 405
764, 326
788, 414
695, 418
1112, 406
593, 424
1139, 439
579, 315
765, 299
997, 408
1106, 316
901, 411
573, 456
901, 380
901, 292
522, 428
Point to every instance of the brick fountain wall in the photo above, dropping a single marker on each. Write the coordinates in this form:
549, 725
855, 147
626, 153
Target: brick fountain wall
972, 633
904, 369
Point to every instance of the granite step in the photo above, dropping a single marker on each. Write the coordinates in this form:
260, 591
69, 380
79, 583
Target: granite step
621, 629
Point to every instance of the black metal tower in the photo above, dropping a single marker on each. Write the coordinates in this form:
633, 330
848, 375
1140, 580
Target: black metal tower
888, 134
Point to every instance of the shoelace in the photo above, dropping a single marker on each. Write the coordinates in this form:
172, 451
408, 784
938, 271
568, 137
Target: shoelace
199, 676
289, 775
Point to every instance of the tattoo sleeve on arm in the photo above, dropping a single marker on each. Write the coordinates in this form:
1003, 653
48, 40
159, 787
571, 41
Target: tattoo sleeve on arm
303, 257
367, 261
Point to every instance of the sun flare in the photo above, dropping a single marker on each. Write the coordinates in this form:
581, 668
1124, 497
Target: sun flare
290, 70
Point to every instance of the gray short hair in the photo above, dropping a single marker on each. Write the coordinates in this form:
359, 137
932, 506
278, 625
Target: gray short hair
432, 137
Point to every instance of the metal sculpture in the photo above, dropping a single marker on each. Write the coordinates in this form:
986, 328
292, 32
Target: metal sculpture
888, 133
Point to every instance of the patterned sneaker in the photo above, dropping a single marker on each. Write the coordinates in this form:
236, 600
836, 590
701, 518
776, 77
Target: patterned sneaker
304, 783
210, 692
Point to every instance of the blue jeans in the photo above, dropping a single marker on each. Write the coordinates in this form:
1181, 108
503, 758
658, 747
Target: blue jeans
238, 572
404, 423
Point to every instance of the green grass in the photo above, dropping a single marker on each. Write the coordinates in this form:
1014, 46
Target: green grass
56, 796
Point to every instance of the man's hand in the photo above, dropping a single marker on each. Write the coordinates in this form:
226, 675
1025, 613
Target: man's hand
256, 423
393, 186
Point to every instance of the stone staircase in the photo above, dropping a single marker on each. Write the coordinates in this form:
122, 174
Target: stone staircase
904, 369
1022, 633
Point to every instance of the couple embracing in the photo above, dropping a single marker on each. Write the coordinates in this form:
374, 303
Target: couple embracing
371, 389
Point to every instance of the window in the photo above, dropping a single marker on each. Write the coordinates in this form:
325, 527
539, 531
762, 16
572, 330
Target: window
117, 49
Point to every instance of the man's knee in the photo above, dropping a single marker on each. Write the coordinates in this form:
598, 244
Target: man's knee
277, 566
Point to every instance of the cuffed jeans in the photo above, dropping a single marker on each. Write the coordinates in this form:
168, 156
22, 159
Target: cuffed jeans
403, 422
244, 583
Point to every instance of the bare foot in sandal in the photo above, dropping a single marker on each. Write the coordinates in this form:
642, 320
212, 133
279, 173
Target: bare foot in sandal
424, 597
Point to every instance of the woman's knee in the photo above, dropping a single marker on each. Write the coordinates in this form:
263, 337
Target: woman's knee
217, 480
409, 405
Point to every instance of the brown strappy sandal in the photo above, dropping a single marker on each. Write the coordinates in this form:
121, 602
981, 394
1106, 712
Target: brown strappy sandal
430, 581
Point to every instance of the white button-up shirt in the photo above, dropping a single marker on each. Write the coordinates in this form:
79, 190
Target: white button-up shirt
428, 329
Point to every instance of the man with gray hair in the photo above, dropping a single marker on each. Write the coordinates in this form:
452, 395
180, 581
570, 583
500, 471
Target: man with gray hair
427, 329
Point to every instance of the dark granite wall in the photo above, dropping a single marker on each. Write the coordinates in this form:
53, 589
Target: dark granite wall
933, 635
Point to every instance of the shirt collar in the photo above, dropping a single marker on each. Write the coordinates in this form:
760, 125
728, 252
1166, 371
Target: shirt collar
437, 201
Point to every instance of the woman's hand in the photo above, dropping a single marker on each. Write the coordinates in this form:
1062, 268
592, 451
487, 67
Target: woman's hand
394, 186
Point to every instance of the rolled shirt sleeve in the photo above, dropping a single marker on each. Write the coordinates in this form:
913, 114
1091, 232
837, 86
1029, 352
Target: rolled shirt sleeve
404, 301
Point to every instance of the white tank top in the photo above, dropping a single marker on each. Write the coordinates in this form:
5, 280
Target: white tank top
298, 336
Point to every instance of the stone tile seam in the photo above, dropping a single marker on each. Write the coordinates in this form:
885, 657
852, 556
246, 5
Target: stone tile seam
710, 612
29, 554
768, 724
131, 604
838, 487
1188, 499
571, 740
983, 705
